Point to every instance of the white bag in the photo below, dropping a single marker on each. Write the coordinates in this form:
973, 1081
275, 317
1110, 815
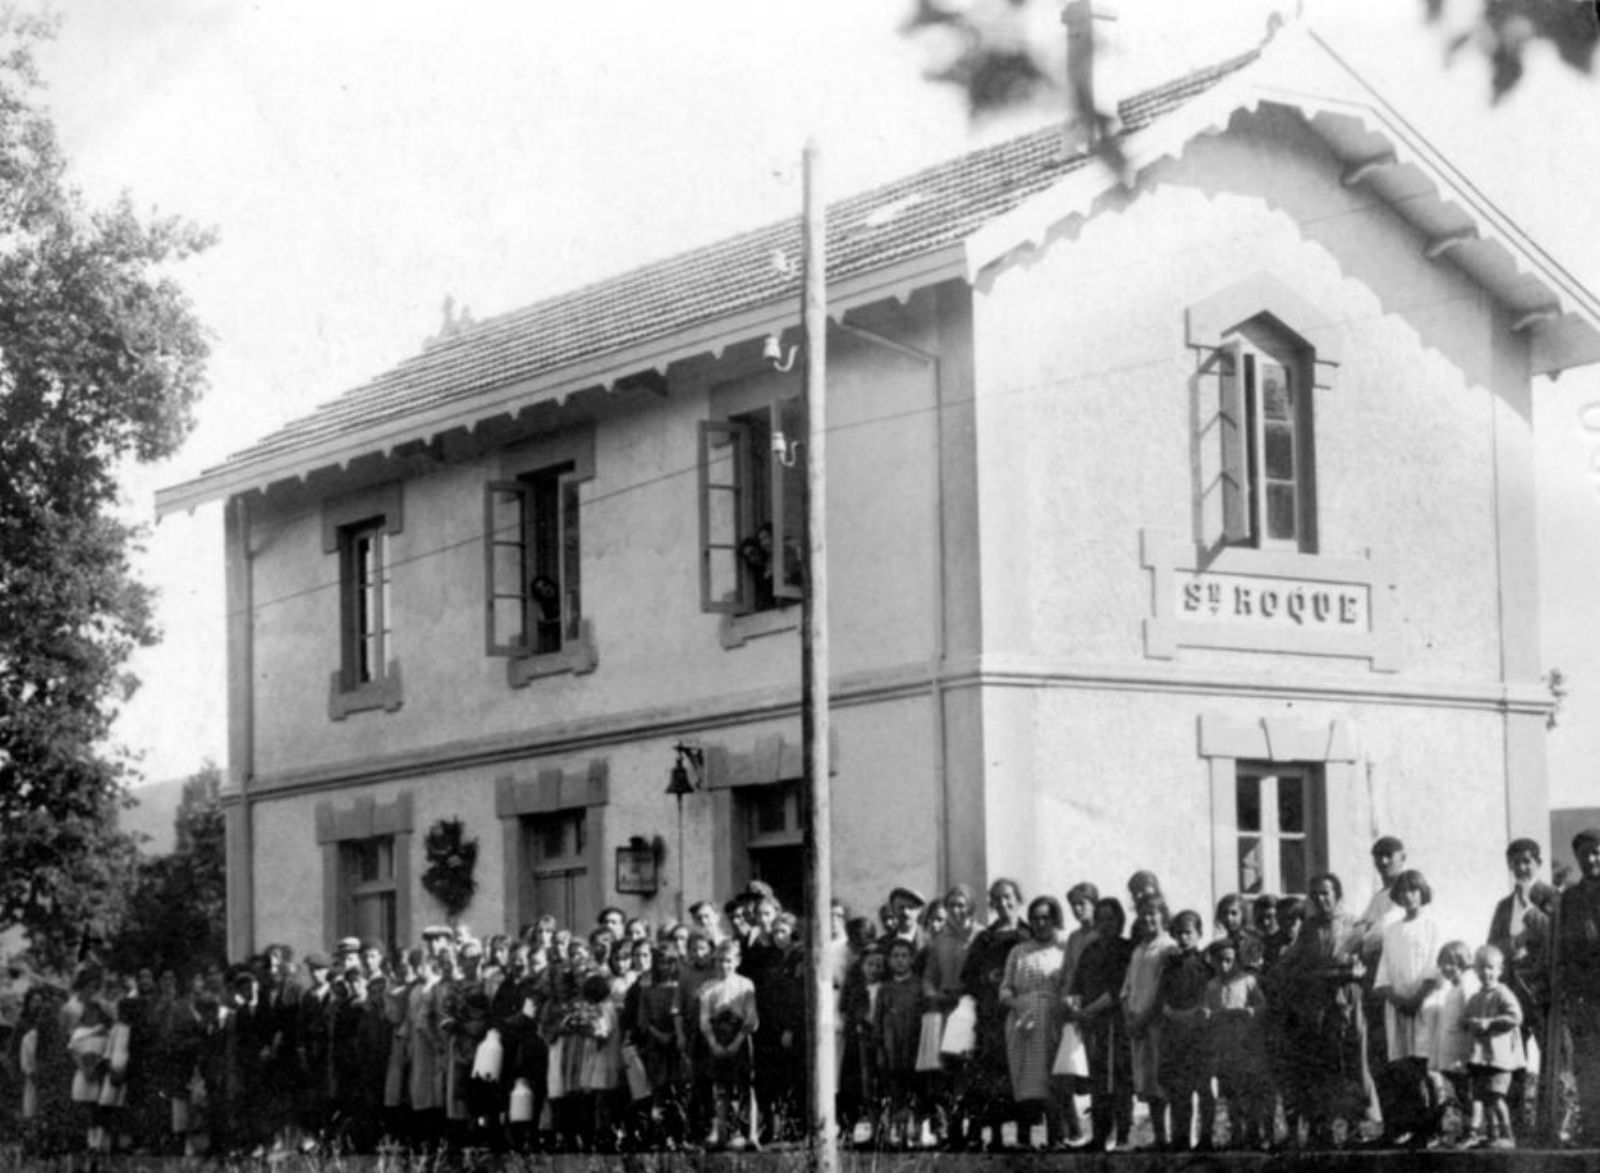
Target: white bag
638, 1078
928, 1043
961, 1028
521, 1103
556, 1086
1071, 1058
488, 1057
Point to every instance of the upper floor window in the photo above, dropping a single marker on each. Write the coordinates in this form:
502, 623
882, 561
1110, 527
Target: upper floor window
1266, 353
364, 606
536, 597
534, 559
359, 529
1268, 458
752, 509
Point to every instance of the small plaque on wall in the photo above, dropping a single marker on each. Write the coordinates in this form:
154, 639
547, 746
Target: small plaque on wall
636, 869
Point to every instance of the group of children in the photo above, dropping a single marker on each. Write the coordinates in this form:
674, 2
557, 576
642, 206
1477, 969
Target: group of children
1257, 1021
948, 1032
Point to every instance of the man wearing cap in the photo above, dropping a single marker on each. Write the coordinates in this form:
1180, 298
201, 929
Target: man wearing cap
1577, 962
1389, 860
437, 938
906, 902
1520, 929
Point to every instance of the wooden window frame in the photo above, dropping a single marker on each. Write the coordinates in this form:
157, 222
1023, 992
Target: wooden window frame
353, 890
763, 491
563, 461
551, 791
368, 675
578, 866
1244, 424
1270, 777
364, 820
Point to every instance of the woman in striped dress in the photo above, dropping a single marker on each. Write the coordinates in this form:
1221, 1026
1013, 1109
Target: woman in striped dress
1031, 991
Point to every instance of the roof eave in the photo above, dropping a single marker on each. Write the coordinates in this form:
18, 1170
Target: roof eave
897, 280
1301, 71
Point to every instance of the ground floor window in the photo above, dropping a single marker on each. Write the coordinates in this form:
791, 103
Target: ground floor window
774, 839
368, 897
555, 846
1280, 813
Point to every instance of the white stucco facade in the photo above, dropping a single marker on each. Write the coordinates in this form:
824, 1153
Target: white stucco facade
1053, 656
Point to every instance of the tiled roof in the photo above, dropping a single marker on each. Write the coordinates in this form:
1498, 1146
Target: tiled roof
923, 212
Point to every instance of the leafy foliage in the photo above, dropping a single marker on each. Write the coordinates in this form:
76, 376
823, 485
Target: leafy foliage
1506, 29
994, 51
101, 362
451, 860
176, 914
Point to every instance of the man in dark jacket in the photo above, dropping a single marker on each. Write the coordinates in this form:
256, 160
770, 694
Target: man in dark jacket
1577, 958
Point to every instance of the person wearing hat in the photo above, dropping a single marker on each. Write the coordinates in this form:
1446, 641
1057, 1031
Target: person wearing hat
1577, 968
904, 904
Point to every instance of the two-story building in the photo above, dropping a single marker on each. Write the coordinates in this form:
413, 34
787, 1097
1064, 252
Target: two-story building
1182, 520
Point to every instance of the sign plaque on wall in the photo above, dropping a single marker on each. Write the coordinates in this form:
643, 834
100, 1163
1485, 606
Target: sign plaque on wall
636, 869
1268, 601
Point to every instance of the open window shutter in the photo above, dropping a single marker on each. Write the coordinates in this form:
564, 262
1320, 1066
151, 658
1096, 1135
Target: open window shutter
788, 503
506, 570
1233, 429
722, 444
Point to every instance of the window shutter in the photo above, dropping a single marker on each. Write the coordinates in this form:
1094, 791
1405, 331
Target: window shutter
788, 503
506, 570
722, 447
1233, 429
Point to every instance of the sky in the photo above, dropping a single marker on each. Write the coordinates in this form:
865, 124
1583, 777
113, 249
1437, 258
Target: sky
361, 162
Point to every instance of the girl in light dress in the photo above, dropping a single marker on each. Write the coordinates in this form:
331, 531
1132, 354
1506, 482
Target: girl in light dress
1408, 972
1442, 1015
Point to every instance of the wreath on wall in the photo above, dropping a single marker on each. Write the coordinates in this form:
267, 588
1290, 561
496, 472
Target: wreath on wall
451, 860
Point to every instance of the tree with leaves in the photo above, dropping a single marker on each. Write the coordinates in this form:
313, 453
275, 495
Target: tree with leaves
101, 362
176, 913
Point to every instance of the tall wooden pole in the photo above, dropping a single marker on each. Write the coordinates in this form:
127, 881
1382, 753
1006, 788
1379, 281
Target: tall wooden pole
821, 1070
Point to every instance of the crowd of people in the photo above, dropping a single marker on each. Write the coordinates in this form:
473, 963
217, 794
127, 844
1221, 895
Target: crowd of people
1285, 1023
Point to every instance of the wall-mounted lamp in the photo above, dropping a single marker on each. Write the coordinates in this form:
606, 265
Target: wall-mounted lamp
772, 352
